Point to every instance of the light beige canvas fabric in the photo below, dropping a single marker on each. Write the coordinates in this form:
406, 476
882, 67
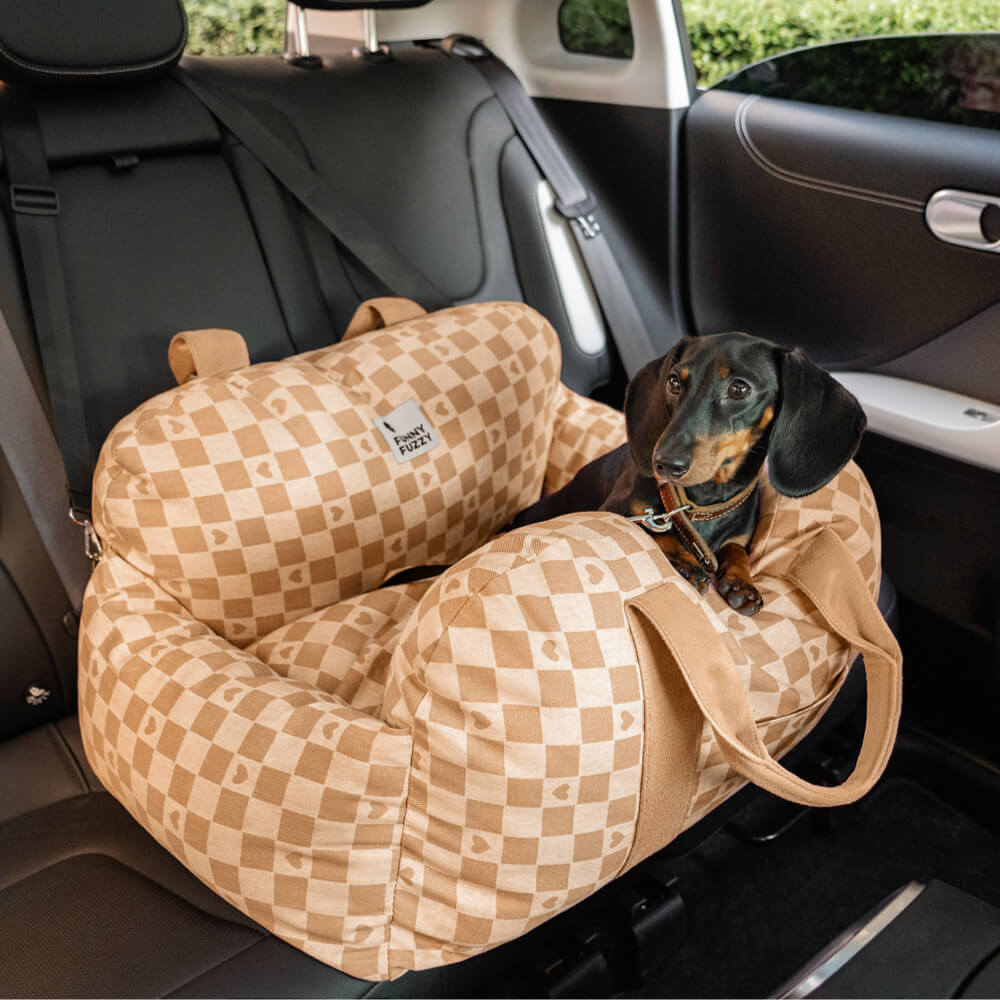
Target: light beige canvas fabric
399, 776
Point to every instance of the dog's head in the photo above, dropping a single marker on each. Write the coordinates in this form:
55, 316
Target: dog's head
717, 405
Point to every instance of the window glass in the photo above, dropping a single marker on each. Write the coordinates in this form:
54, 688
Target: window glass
235, 27
596, 28
729, 34
947, 78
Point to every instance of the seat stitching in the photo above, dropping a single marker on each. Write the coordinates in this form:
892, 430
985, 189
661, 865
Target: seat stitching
741, 121
104, 71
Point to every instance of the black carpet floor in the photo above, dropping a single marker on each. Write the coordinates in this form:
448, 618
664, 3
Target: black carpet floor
758, 912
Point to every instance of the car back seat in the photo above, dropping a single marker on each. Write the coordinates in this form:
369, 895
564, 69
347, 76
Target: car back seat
167, 223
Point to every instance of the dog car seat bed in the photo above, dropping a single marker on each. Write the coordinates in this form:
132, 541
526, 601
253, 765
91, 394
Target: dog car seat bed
393, 776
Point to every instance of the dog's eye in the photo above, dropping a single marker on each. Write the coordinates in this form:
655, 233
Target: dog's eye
738, 389
674, 383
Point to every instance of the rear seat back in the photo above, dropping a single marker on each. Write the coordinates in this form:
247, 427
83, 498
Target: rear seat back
168, 223
421, 145
156, 238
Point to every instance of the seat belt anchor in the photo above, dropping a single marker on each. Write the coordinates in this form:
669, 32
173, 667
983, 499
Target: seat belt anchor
589, 224
91, 543
583, 213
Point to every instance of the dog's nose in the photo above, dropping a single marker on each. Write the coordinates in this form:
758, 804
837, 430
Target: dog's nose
672, 468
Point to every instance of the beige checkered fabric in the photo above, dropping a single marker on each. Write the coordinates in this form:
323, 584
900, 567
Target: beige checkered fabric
519, 682
257, 496
284, 799
584, 430
790, 662
399, 776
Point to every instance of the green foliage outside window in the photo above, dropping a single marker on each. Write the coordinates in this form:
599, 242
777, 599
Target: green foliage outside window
235, 27
596, 27
725, 34
728, 34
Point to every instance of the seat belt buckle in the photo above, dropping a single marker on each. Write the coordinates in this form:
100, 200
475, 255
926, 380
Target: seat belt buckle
27, 199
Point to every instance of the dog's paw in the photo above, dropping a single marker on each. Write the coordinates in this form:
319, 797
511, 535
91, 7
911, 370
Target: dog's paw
740, 594
693, 573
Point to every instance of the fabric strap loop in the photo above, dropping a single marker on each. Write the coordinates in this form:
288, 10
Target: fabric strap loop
373, 314
828, 576
196, 353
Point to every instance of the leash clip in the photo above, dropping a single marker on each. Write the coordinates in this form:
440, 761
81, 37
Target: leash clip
658, 524
91, 543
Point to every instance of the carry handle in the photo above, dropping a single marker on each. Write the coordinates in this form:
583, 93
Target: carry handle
196, 353
385, 311
829, 577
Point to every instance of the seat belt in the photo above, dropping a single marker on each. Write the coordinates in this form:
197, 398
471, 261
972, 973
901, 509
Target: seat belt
35, 204
315, 194
35, 461
573, 201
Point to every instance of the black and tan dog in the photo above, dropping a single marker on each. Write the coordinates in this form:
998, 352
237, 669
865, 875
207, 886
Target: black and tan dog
700, 422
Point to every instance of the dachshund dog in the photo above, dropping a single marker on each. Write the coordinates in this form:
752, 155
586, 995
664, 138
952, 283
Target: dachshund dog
700, 422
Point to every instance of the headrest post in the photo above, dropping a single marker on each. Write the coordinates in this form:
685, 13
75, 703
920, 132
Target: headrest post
301, 32
297, 50
370, 50
370, 29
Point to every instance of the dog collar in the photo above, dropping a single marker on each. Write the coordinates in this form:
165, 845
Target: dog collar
675, 496
681, 513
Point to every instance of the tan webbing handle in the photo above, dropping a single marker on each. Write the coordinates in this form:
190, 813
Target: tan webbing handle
829, 577
386, 311
194, 353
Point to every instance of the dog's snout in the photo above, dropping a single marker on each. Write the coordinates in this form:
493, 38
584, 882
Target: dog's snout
671, 468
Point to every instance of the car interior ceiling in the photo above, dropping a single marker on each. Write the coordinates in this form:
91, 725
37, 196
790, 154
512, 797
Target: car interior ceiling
169, 223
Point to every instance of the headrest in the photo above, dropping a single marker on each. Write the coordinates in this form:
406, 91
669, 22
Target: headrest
55, 42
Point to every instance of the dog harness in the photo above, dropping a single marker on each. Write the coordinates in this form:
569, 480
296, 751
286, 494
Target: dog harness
681, 513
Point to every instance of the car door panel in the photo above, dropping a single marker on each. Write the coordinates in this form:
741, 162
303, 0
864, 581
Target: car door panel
806, 225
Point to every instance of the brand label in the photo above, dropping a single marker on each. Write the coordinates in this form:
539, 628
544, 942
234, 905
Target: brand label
408, 432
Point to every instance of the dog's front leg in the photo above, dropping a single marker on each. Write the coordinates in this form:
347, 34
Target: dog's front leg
682, 561
734, 581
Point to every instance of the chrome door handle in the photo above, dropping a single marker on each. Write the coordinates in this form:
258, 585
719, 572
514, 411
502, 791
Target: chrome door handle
958, 217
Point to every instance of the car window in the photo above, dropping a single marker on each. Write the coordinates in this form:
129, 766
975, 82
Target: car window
727, 35
596, 28
235, 27
947, 78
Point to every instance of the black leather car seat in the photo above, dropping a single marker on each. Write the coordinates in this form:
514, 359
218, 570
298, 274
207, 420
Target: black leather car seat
167, 223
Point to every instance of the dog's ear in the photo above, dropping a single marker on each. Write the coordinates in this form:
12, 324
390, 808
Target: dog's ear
818, 428
646, 410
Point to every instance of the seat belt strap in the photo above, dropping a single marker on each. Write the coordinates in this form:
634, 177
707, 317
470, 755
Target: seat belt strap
35, 204
337, 214
34, 458
573, 201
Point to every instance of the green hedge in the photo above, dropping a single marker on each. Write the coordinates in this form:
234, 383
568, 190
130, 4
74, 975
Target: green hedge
596, 27
728, 34
725, 34
233, 27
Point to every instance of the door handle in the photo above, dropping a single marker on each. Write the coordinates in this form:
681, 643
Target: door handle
965, 218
